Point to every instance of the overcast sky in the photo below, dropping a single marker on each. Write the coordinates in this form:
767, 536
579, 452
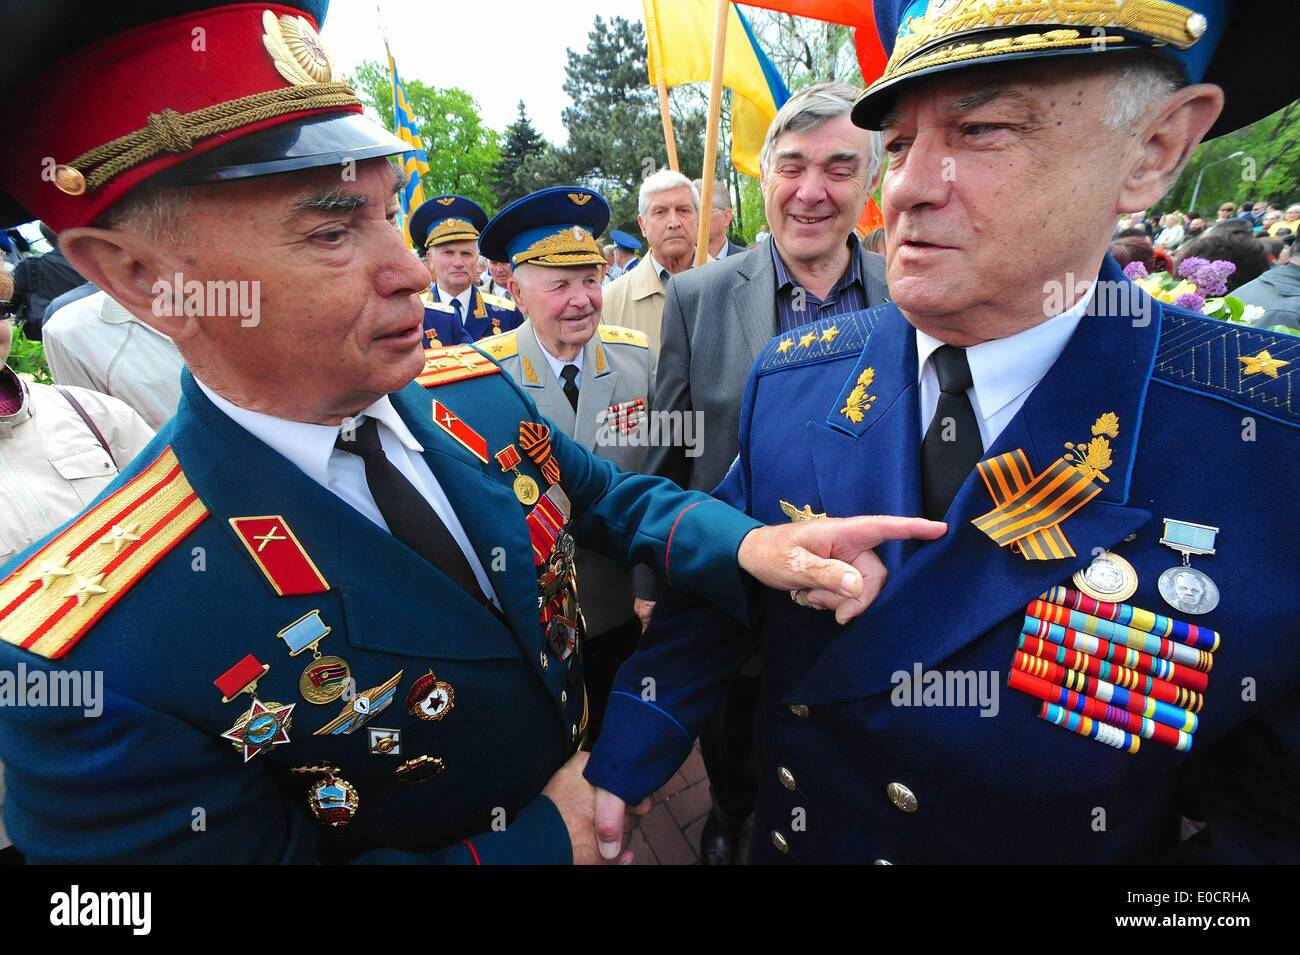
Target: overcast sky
500, 51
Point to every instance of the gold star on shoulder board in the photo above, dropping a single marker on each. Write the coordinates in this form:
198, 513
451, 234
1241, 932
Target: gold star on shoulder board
1262, 364
785, 346
88, 586
48, 571
807, 339
119, 535
829, 334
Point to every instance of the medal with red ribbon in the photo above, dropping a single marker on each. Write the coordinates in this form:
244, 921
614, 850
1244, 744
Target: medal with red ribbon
525, 488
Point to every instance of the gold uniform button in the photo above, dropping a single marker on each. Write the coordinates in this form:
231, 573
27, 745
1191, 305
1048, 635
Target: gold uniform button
901, 797
799, 710
882, 862
69, 180
786, 777
564, 697
542, 656
778, 840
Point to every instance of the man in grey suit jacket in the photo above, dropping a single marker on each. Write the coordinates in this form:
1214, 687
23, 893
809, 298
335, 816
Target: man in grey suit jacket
818, 171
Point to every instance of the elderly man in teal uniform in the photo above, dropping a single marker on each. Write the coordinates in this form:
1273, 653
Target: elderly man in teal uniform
446, 229
312, 621
1097, 662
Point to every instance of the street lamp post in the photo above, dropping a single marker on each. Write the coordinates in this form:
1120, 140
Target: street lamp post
1196, 191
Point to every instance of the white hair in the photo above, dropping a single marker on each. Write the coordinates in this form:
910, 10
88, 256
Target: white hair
662, 181
814, 106
159, 212
1137, 84
721, 195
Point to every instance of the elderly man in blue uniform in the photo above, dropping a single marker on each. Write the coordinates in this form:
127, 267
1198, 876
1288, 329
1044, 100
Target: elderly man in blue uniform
447, 228
626, 248
324, 614
1097, 659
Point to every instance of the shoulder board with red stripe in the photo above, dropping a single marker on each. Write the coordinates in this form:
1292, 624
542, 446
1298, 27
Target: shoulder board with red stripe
454, 363
53, 599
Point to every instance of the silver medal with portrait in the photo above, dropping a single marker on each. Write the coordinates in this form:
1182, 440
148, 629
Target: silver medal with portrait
1188, 590
1109, 578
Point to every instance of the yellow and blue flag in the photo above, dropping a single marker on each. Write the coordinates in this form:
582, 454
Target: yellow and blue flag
415, 163
679, 46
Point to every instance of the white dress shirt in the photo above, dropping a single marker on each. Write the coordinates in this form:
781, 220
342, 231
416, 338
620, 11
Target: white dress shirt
464, 299
1004, 371
310, 447
558, 364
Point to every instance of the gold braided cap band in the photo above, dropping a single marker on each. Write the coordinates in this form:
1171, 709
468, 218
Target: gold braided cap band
951, 35
450, 230
571, 247
172, 132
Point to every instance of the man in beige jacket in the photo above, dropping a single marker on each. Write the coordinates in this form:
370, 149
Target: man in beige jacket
669, 214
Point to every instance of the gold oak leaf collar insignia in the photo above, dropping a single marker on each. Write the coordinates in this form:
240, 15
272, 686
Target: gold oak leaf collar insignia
859, 402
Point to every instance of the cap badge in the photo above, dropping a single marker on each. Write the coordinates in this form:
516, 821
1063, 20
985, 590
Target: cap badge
296, 49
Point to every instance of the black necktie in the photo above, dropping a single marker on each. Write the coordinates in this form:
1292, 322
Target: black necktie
570, 375
410, 518
952, 445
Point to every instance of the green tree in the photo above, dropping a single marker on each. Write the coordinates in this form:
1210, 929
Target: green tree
462, 151
521, 142
615, 134
1267, 169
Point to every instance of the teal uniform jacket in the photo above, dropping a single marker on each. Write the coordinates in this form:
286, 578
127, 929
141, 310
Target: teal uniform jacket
149, 778
488, 315
862, 762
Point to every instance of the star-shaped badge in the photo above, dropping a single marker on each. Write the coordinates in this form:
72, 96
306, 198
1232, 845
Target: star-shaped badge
807, 339
47, 572
264, 725
87, 586
785, 346
1262, 364
118, 536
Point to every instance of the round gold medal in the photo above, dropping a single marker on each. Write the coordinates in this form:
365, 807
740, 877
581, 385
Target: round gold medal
526, 490
324, 680
1109, 578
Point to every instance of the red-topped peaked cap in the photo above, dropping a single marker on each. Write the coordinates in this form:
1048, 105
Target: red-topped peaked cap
96, 102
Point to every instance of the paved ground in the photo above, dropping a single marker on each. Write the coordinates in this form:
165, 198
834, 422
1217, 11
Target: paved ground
670, 834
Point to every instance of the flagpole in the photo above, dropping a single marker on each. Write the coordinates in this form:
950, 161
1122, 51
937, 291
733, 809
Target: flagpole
666, 115
711, 130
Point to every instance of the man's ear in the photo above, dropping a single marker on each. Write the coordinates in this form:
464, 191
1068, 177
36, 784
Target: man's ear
1166, 143
640, 221
135, 272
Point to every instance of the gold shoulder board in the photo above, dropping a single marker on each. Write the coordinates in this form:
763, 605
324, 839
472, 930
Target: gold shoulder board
53, 599
454, 363
618, 335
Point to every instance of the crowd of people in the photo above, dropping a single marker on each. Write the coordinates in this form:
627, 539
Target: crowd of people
438, 436
1258, 238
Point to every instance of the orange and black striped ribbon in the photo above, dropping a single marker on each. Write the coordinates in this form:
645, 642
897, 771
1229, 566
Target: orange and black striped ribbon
535, 439
1030, 509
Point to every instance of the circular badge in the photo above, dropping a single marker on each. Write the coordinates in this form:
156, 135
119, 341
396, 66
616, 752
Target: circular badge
1188, 590
526, 490
324, 680
1109, 578
430, 698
